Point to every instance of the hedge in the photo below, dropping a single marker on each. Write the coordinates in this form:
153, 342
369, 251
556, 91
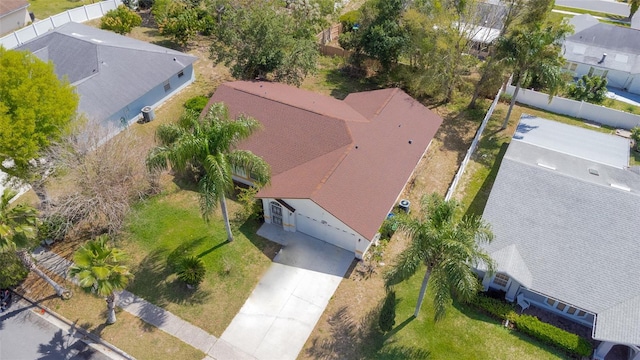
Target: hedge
532, 326
550, 334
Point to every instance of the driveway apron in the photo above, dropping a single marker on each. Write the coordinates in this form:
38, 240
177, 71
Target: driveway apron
281, 312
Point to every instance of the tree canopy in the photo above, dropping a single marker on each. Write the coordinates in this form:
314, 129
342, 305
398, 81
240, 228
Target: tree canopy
209, 144
448, 247
265, 39
36, 108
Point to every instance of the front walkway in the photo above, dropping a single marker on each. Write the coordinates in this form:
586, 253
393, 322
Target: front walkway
283, 309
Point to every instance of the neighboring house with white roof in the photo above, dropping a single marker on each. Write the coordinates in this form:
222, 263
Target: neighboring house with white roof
14, 14
338, 166
564, 210
114, 75
485, 25
606, 50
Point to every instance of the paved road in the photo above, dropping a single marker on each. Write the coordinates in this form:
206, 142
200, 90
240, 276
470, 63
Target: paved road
606, 6
25, 335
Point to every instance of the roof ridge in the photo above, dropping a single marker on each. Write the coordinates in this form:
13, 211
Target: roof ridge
386, 102
293, 106
331, 170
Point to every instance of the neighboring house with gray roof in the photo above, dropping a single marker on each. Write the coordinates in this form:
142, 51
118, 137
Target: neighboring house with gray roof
564, 210
115, 76
14, 14
607, 50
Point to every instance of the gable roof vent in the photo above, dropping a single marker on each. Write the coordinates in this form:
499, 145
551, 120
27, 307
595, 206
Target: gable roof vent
594, 172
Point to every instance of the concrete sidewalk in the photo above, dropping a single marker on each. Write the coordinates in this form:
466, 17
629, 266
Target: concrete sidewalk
152, 314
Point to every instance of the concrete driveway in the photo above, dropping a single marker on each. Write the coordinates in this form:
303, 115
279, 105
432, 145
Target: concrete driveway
276, 320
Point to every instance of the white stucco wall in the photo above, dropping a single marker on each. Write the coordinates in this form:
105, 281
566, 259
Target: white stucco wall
14, 20
313, 220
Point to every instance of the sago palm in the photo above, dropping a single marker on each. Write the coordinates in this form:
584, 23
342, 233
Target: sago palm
210, 143
18, 231
448, 247
98, 268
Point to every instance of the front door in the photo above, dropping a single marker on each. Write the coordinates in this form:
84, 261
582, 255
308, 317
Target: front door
276, 213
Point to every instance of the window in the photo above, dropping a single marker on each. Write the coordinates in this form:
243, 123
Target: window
598, 72
571, 66
561, 306
581, 313
167, 86
181, 74
551, 302
571, 310
501, 280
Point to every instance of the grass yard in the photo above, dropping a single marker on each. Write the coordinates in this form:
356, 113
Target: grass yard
463, 334
42, 9
170, 224
129, 333
592, 13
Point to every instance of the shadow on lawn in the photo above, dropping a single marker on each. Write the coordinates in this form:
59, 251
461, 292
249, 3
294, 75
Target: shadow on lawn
476, 207
352, 339
249, 229
154, 281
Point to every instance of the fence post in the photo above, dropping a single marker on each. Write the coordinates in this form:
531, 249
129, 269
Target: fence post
580, 109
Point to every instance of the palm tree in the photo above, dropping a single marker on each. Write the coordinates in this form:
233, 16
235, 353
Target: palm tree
448, 247
98, 269
209, 143
534, 51
18, 230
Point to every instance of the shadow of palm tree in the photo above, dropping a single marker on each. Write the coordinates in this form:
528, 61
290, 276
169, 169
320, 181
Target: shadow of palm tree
249, 229
64, 346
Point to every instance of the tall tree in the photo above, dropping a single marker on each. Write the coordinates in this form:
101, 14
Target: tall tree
534, 52
98, 268
210, 144
448, 247
264, 39
35, 108
18, 230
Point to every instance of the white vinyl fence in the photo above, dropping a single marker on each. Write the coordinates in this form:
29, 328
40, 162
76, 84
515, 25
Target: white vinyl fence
579, 109
473, 146
79, 15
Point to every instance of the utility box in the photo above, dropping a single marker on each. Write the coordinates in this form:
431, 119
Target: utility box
148, 114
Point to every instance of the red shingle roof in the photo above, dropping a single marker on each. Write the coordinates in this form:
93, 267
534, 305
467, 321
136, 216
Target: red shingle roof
351, 157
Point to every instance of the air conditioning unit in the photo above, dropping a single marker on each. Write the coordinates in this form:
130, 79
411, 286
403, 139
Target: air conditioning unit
148, 114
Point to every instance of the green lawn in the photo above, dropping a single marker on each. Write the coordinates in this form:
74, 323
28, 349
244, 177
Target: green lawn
170, 223
42, 9
590, 12
463, 334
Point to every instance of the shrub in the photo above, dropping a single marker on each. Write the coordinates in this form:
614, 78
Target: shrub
12, 271
349, 19
550, 334
191, 270
388, 228
635, 135
388, 312
53, 228
592, 89
196, 103
499, 309
120, 20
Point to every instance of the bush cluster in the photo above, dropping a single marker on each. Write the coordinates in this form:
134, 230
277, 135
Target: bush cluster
550, 334
196, 103
532, 326
120, 20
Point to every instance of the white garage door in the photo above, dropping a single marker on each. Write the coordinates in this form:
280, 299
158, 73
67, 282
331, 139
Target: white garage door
326, 232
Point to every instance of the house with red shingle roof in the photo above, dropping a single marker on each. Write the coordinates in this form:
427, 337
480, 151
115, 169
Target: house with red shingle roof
338, 166
13, 15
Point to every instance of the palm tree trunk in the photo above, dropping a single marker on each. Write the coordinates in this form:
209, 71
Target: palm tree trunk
111, 308
513, 102
26, 260
423, 290
225, 216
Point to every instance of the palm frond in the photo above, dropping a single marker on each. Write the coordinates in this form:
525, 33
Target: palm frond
253, 165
